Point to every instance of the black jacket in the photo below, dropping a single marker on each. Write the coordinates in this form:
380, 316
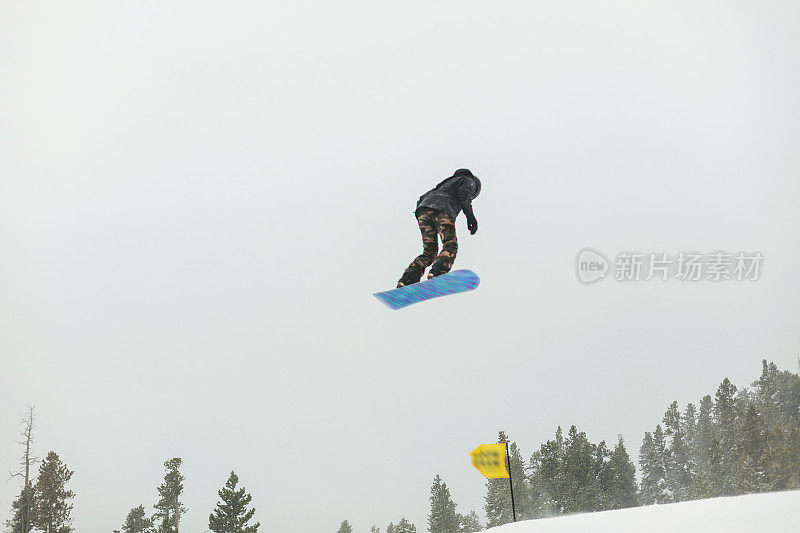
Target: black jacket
453, 195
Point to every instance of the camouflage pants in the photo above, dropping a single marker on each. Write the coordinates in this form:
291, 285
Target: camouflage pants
432, 223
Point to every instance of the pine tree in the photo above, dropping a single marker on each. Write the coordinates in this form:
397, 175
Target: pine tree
725, 413
777, 396
677, 474
651, 461
690, 430
603, 475
620, 484
716, 470
659, 446
751, 475
404, 526
690, 438
164, 526
546, 479
579, 474
648, 489
51, 496
23, 509
469, 523
137, 521
231, 514
390, 528
775, 459
792, 466
498, 497
705, 432
522, 491
374, 529
701, 487
442, 518
345, 527
766, 393
169, 507
789, 399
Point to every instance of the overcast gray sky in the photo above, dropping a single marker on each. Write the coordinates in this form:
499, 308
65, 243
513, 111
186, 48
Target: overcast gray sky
198, 200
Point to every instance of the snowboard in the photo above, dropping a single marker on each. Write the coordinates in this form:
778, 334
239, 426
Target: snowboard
450, 283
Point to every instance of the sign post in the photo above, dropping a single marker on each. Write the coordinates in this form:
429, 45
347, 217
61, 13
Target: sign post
511, 486
492, 461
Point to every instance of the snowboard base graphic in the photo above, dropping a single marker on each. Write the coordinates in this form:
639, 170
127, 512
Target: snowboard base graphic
446, 284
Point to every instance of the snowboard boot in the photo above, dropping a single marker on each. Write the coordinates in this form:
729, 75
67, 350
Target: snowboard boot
437, 270
410, 276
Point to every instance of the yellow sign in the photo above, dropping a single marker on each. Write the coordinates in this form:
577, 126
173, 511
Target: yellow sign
490, 460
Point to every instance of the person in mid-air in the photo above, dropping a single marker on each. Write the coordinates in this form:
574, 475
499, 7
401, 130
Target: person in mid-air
436, 213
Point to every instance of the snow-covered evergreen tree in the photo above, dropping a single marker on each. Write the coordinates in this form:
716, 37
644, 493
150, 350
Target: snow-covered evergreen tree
792, 463
767, 394
651, 460
580, 476
545, 477
717, 478
676, 461
345, 527
775, 459
442, 517
690, 427
231, 515
469, 523
404, 526
725, 414
137, 521
51, 496
690, 437
522, 491
169, 508
619, 483
603, 476
751, 471
705, 432
498, 497
23, 509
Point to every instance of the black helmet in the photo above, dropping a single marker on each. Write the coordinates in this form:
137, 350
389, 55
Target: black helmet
461, 173
467, 172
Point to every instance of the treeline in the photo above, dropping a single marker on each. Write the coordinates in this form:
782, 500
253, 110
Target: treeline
742, 440
567, 475
45, 504
442, 518
739, 442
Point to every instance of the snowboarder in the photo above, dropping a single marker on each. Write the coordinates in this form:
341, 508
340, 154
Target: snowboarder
436, 213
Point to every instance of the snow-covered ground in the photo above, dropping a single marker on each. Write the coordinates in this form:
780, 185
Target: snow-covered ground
764, 513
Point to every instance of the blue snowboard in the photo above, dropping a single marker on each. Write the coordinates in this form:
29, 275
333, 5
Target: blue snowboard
450, 283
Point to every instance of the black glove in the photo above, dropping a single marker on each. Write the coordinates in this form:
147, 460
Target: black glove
472, 225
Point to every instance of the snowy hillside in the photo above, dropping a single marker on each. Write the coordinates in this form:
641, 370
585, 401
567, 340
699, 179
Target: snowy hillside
770, 512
